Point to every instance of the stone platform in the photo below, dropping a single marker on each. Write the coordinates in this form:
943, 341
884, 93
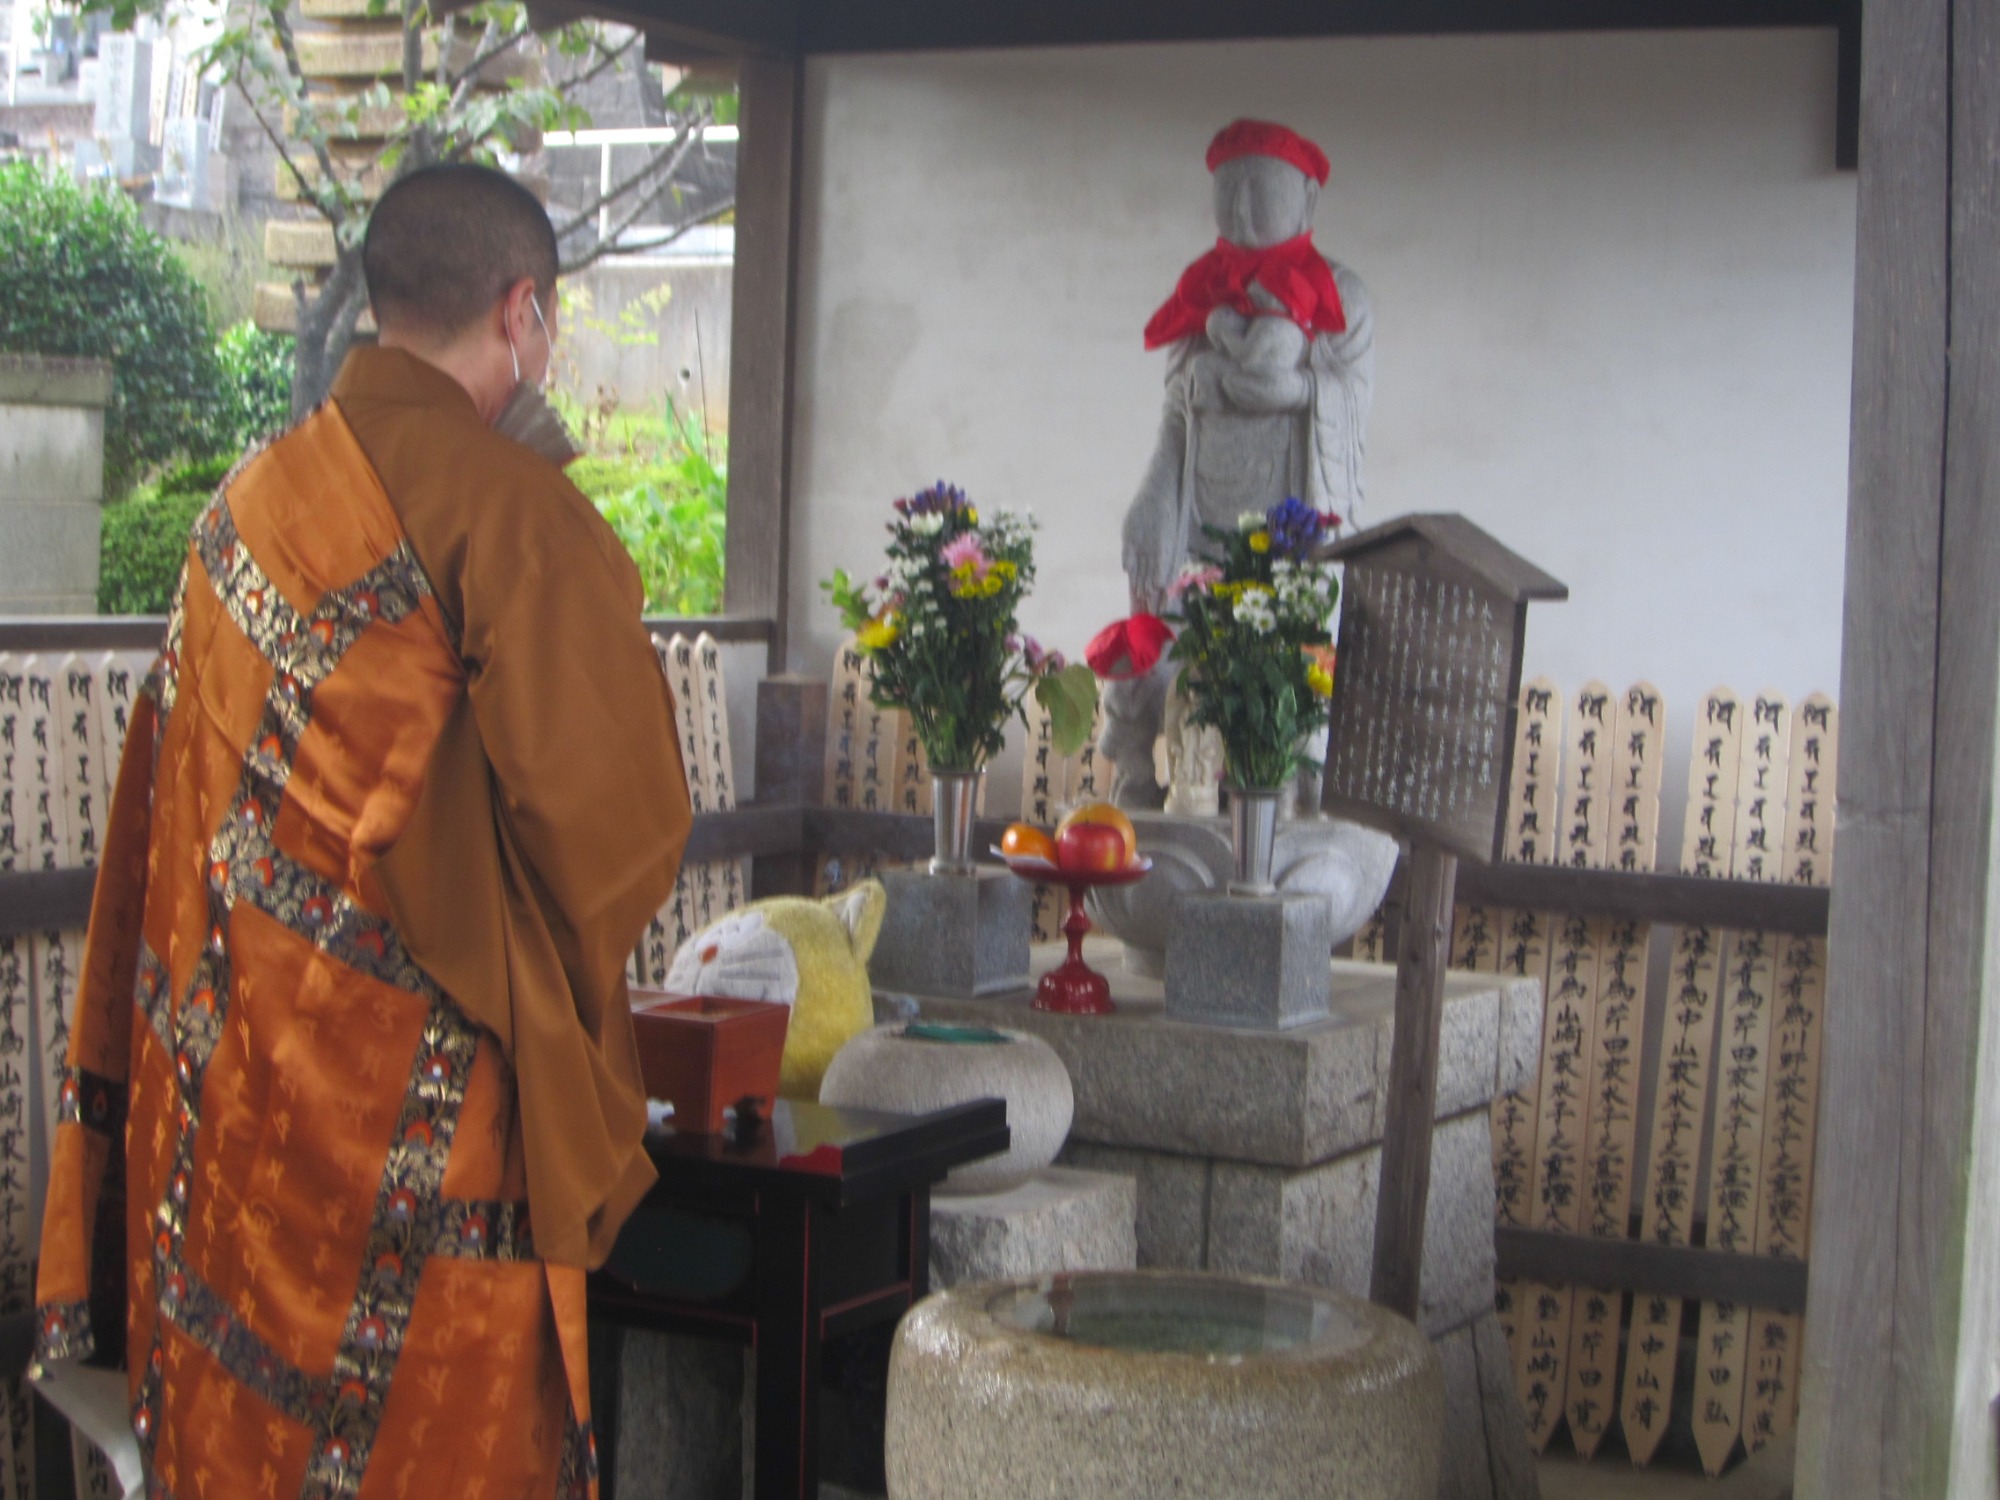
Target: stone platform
1259, 1153
1061, 1219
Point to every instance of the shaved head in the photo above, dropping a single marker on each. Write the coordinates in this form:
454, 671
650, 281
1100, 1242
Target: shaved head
445, 243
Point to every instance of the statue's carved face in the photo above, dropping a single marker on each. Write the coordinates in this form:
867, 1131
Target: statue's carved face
1261, 201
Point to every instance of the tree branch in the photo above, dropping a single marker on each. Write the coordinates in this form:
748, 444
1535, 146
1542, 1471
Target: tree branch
611, 246
668, 162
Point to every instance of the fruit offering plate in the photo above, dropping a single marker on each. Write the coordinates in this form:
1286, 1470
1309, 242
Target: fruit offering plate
1047, 872
1074, 988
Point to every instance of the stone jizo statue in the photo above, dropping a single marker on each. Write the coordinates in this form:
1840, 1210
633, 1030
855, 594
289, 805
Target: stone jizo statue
1269, 376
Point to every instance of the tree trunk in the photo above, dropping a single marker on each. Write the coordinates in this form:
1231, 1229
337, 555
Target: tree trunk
326, 328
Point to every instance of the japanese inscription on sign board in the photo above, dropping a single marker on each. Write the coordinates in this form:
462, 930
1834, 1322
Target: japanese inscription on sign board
1422, 702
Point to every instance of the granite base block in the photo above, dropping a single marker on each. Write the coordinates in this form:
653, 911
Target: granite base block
1060, 1219
1249, 960
681, 1433
1171, 1223
956, 935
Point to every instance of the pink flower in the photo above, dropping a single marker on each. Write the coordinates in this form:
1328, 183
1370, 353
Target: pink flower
964, 551
1192, 577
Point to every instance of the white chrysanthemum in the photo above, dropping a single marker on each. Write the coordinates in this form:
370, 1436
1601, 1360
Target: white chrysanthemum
929, 524
1253, 608
1250, 520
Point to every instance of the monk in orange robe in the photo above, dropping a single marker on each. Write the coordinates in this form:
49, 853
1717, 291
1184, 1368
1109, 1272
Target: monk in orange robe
352, 1099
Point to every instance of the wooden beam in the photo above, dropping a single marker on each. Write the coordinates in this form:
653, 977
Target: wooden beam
44, 900
917, 25
1847, 90
1396, 1281
21, 633
1869, 1395
1685, 900
1683, 1271
758, 550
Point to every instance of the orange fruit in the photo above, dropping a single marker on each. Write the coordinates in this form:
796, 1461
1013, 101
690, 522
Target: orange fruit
1111, 816
1026, 841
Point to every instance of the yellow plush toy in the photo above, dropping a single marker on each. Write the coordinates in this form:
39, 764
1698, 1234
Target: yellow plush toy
811, 955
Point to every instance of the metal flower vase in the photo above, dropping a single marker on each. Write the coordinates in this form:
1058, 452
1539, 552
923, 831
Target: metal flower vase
1253, 839
954, 795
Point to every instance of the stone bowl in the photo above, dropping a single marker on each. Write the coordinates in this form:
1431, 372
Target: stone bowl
1349, 866
1131, 1385
908, 1075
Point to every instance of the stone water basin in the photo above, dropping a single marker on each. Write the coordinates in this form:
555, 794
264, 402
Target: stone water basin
1118, 1384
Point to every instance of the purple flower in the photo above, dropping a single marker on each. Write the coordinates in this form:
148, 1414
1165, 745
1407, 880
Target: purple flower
1295, 527
939, 497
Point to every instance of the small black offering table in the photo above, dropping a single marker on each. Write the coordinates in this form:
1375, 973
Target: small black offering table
818, 1227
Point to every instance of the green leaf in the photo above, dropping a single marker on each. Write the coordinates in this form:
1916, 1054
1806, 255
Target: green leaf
1070, 696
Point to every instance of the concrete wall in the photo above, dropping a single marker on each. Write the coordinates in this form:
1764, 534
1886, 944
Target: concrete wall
688, 357
1613, 274
51, 483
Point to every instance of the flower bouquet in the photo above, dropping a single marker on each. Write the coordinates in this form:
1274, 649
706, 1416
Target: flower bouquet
1254, 640
1256, 657
939, 630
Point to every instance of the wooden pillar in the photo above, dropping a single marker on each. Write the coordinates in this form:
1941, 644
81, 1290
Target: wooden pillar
763, 314
1903, 1324
1423, 941
791, 771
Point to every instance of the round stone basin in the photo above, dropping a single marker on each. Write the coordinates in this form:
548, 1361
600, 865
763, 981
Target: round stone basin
1127, 1385
1199, 1315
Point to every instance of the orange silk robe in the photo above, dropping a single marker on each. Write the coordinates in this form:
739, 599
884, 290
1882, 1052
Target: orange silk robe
352, 1098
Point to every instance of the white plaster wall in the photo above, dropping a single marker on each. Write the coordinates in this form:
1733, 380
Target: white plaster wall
1614, 277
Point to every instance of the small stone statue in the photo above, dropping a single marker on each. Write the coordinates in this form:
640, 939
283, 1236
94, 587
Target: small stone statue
1267, 394
1187, 760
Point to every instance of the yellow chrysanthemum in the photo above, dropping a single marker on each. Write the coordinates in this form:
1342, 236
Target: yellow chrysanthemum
879, 632
1319, 680
1260, 541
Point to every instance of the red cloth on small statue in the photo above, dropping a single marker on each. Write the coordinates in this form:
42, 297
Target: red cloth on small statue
1294, 272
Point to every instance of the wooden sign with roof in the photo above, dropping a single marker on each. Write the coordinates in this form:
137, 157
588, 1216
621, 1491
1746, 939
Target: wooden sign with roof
1433, 617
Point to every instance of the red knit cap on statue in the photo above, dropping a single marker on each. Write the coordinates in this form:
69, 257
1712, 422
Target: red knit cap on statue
1262, 138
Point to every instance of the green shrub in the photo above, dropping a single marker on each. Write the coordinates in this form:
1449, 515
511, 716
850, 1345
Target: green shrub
145, 543
253, 393
81, 276
653, 478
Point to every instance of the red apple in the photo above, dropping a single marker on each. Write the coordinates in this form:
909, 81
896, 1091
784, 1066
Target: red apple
1097, 848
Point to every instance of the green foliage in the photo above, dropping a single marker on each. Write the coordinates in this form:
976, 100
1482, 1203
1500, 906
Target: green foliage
253, 395
145, 544
652, 478
81, 276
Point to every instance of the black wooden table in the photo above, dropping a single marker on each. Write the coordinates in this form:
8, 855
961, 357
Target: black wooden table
818, 1228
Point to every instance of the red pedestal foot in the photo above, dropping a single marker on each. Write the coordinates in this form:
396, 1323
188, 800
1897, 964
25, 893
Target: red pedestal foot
1074, 988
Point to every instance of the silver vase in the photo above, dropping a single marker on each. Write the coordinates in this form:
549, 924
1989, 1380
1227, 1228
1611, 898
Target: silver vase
953, 796
1253, 839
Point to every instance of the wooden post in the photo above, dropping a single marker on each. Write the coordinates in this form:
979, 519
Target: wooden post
1421, 956
791, 769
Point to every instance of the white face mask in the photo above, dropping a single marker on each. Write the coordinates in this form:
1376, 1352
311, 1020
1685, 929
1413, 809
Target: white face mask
513, 354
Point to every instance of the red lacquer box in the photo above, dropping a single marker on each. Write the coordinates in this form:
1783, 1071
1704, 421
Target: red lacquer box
702, 1054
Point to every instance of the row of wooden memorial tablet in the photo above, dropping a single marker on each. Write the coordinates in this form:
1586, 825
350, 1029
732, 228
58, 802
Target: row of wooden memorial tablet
63, 719
705, 890
1760, 807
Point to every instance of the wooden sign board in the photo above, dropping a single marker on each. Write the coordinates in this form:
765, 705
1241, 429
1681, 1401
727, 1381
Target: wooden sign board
1433, 618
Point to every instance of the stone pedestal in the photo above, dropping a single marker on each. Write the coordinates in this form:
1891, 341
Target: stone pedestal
51, 482
1060, 1219
953, 935
1249, 960
1258, 1152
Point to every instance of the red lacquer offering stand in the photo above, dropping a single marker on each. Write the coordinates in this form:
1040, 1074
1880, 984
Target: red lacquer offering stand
1073, 987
